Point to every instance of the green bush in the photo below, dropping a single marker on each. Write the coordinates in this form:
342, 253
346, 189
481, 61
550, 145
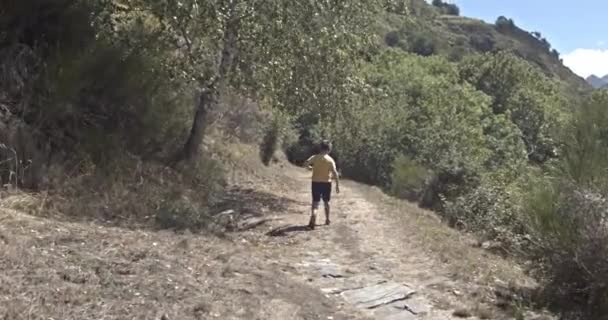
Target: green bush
567, 216
188, 206
87, 90
585, 153
179, 213
482, 42
569, 225
270, 143
392, 38
447, 8
408, 178
504, 24
278, 134
524, 94
493, 212
452, 9
422, 44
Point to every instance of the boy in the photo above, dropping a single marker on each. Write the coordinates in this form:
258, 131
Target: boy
323, 170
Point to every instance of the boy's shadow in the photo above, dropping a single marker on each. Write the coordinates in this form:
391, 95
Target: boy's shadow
286, 230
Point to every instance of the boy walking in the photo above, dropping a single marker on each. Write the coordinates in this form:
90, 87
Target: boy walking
323, 170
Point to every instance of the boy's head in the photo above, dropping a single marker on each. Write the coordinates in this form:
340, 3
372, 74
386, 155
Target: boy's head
325, 146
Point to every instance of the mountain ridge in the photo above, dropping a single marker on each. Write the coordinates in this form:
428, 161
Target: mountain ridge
429, 30
598, 82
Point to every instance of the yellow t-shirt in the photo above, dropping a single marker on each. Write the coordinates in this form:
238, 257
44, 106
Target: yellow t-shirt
323, 167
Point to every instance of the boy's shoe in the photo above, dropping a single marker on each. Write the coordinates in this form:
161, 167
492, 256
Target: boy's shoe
327, 222
312, 223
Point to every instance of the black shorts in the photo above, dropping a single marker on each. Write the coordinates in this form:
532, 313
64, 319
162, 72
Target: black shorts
321, 190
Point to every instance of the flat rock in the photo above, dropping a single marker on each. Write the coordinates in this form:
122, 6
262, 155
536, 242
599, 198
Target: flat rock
391, 313
377, 295
359, 281
417, 306
326, 268
252, 222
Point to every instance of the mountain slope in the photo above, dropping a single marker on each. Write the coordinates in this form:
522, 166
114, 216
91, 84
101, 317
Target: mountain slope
427, 31
598, 82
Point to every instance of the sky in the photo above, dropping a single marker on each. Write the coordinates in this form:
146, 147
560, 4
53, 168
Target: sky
577, 29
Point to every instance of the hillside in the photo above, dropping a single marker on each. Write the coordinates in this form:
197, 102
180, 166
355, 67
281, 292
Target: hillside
429, 31
372, 263
142, 173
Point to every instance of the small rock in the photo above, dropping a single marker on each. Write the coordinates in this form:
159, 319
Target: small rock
462, 313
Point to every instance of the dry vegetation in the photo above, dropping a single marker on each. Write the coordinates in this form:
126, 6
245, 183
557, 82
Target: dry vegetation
84, 264
66, 267
99, 220
493, 285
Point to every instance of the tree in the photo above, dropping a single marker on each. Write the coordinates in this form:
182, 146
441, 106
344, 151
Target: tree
452, 9
258, 47
521, 92
447, 8
504, 24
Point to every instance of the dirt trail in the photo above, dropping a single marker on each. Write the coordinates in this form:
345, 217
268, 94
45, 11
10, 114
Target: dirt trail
373, 262
361, 261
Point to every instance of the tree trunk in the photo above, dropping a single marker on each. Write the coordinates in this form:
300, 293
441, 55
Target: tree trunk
210, 94
207, 101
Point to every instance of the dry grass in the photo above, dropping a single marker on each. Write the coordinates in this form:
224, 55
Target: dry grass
64, 270
89, 252
492, 283
133, 194
73, 271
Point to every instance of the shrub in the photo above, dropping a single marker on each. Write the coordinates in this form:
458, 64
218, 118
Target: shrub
505, 24
481, 42
408, 178
452, 9
448, 183
584, 156
240, 118
278, 134
80, 91
447, 8
270, 142
568, 216
392, 38
492, 211
179, 212
423, 44
569, 224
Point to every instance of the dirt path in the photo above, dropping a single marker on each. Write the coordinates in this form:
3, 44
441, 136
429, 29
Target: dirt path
362, 260
380, 259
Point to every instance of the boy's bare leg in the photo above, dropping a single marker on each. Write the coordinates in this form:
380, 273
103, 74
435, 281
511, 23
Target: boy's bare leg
327, 208
313, 217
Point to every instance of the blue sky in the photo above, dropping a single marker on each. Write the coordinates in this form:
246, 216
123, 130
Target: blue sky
577, 29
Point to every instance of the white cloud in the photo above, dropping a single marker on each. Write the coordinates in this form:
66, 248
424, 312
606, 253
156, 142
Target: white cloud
601, 43
586, 62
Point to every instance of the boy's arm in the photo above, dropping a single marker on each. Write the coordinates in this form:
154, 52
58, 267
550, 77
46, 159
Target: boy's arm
336, 176
308, 163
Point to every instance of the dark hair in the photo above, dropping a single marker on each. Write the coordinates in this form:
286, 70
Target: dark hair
325, 146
